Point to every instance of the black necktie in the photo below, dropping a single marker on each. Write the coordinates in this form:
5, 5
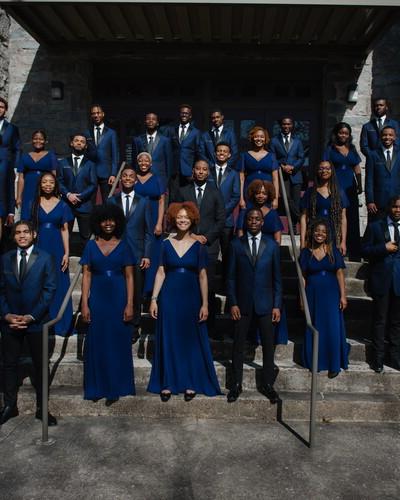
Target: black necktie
151, 144
254, 249
182, 135
286, 143
76, 167
126, 205
379, 124
98, 134
22, 264
199, 196
216, 135
388, 160
219, 178
396, 232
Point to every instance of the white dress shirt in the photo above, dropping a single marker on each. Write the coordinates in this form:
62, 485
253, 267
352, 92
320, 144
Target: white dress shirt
382, 118
28, 254
258, 240
131, 197
386, 150
79, 158
390, 224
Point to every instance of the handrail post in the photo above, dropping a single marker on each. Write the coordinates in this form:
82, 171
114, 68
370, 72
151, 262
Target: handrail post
115, 183
314, 331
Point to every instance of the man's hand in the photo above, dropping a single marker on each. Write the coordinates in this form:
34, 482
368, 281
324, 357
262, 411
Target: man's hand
200, 238
391, 247
288, 169
111, 180
235, 313
372, 208
74, 198
144, 263
10, 220
276, 315
15, 321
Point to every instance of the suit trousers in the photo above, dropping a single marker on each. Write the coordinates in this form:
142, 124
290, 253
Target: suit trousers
224, 241
293, 192
12, 345
386, 319
83, 221
264, 324
212, 307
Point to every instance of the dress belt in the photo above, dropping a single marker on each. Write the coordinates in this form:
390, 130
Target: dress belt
108, 272
49, 225
181, 270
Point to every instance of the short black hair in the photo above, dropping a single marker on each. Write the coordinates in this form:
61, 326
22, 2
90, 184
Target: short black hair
96, 105
217, 110
76, 134
285, 117
392, 202
253, 209
23, 222
222, 143
108, 211
386, 127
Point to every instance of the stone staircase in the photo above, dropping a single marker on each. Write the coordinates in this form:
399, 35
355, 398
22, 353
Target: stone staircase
357, 395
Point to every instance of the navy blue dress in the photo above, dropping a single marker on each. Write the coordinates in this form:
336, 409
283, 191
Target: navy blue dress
344, 168
50, 240
323, 295
32, 170
272, 224
182, 357
257, 169
153, 188
322, 206
108, 363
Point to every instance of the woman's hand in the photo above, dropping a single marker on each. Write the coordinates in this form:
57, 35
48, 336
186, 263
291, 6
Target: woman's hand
343, 303
85, 313
153, 309
203, 315
275, 203
64, 262
128, 312
343, 248
18, 202
276, 315
242, 203
158, 230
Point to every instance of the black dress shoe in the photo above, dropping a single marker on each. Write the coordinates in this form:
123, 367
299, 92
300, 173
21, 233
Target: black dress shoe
188, 396
8, 412
165, 396
377, 367
234, 393
333, 374
51, 419
270, 393
110, 402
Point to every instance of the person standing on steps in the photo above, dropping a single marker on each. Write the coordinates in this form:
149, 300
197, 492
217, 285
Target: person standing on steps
254, 293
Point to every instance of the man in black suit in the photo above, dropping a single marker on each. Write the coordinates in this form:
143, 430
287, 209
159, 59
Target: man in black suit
381, 246
212, 220
254, 293
27, 287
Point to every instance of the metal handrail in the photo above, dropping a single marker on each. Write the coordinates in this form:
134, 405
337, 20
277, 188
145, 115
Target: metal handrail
45, 338
314, 331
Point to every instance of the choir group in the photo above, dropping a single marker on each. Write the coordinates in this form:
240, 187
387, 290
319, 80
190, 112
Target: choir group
189, 205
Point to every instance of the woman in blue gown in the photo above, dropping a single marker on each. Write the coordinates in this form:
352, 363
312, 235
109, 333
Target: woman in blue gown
325, 200
30, 168
107, 306
260, 194
51, 216
151, 186
344, 157
322, 266
258, 163
182, 360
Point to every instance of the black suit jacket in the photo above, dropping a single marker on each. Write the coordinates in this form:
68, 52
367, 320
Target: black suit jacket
212, 213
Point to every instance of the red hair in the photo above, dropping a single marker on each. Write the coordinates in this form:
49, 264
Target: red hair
190, 208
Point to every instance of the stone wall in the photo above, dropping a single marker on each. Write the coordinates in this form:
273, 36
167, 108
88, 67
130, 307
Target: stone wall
4, 52
33, 68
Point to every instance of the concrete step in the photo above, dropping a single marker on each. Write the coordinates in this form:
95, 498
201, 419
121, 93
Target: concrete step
222, 350
334, 407
358, 378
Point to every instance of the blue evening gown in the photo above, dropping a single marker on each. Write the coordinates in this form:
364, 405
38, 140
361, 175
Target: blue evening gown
50, 240
108, 363
257, 169
153, 188
182, 357
32, 170
323, 297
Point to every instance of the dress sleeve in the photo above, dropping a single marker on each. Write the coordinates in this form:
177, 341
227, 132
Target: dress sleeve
339, 261
67, 214
128, 259
240, 220
344, 201
274, 162
53, 160
162, 253
304, 259
162, 188
85, 259
203, 257
276, 223
305, 200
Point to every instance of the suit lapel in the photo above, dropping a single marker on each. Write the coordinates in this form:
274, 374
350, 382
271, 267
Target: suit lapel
245, 242
105, 129
385, 230
261, 248
32, 259
156, 141
14, 263
225, 175
134, 205
119, 201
